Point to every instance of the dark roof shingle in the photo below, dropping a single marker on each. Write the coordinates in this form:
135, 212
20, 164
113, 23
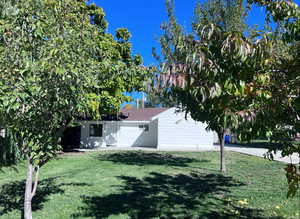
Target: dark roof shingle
144, 114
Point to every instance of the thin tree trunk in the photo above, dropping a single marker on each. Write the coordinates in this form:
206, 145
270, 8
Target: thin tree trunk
30, 189
222, 154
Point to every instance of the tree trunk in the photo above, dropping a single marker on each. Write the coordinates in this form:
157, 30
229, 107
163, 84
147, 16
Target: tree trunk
30, 189
222, 154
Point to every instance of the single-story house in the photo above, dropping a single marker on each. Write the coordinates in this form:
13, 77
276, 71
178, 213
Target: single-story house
147, 127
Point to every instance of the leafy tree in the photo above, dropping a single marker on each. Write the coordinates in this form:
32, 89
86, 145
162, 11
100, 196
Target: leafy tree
283, 108
228, 14
155, 99
219, 64
57, 63
278, 118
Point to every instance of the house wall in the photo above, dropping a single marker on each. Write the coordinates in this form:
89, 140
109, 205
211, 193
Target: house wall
119, 133
111, 130
87, 141
175, 132
131, 135
166, 130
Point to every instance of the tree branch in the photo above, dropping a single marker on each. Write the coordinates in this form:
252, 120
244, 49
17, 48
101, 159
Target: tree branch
35, 181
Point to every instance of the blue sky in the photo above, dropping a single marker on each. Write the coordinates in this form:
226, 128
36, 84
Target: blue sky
143, 19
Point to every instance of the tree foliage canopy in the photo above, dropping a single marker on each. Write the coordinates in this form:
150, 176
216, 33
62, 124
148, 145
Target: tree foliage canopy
236, 80
283, 109
221, 66
58, 63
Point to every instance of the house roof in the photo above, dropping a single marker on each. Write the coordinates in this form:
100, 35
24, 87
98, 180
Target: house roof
144, 114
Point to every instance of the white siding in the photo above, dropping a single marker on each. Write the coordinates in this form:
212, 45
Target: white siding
111, 133
131, 135
167, 130
87, 141
174, 131
153, 138
117, 133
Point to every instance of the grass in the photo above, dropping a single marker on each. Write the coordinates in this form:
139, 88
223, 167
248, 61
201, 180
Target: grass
152, 185
258, 143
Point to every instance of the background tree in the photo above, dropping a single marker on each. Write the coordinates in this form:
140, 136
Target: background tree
219, 64
56, 64
119, 72
154, 99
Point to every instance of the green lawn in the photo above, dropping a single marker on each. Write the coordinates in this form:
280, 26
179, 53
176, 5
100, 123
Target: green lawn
258, 143
152, 185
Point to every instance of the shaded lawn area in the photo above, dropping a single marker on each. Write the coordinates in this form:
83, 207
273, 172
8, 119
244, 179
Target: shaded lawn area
148, 185
257, 143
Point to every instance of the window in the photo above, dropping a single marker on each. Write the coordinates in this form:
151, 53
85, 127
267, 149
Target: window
96, 130
144, 127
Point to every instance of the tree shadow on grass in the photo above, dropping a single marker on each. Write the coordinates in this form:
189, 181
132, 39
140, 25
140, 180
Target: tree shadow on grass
168, 196
264, 145
12, 194
147, 158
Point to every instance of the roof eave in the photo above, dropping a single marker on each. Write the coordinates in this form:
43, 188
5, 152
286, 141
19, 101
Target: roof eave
135, 121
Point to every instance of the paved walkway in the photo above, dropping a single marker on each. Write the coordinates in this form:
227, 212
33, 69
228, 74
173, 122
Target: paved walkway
261, 151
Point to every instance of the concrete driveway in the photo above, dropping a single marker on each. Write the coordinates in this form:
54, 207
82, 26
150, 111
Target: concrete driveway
260, 153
